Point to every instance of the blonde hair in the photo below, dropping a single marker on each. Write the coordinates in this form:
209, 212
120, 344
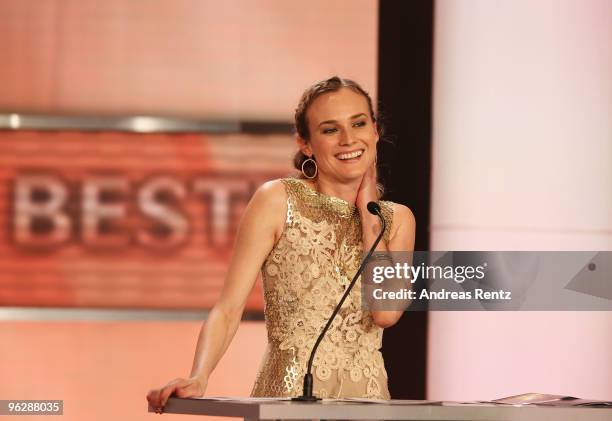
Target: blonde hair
333, 84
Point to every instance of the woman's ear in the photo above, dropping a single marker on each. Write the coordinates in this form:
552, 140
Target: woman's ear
304, 146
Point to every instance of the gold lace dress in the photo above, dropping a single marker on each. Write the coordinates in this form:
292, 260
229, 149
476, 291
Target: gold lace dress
304, 277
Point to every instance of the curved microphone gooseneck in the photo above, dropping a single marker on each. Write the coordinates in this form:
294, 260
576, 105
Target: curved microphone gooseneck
307, 396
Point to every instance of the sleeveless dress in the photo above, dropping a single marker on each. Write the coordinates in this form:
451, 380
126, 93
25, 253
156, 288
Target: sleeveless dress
304, 277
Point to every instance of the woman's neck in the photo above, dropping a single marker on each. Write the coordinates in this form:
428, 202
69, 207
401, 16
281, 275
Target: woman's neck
345, 191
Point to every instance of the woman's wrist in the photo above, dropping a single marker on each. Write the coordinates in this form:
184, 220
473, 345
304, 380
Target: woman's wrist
367, 218
370, 224
370, 230
202, 381
201, 378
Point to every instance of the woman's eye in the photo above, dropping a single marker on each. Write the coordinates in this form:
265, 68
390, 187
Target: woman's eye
359, 124
329, 130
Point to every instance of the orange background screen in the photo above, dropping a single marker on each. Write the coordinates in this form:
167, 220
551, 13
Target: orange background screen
111, 219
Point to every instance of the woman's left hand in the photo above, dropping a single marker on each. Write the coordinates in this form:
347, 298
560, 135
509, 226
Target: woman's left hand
367, 190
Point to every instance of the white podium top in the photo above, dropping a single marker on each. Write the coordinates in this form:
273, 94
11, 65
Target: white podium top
270, 409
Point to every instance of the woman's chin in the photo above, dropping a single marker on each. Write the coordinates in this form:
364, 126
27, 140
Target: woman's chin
351, 175
346, 173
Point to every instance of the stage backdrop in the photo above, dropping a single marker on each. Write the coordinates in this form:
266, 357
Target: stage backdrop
522, 160
111, 219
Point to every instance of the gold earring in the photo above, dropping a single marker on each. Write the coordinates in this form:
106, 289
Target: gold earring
316, 168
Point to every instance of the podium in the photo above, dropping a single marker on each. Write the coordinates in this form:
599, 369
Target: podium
253, 410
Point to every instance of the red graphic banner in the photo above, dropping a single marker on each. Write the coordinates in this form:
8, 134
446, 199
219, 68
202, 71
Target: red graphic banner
126, 220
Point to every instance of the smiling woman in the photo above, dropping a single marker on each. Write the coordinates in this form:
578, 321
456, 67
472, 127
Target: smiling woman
307, 235
338, 98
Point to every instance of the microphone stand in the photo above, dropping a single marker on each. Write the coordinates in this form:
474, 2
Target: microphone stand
307, 396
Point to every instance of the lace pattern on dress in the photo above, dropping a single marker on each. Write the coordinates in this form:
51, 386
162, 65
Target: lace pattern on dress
304, 277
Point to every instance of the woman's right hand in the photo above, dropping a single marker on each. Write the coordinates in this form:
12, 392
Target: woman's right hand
181, 388
262, 222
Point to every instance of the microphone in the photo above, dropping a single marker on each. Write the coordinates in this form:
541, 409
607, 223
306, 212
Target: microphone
374, 209
307, 396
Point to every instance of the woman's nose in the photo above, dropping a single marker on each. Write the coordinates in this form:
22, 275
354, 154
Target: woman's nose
346, 137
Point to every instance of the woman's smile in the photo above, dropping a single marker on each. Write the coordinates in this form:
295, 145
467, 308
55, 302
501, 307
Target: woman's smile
351, 156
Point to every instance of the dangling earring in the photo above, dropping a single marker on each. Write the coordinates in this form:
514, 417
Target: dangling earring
316, 169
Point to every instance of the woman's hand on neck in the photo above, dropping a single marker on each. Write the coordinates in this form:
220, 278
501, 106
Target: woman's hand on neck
367, 191
358, 193
370, 224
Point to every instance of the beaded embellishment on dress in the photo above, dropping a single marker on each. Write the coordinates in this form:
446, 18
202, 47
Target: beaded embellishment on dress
304, 277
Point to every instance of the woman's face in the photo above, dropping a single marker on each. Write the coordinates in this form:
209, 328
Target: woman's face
342, 135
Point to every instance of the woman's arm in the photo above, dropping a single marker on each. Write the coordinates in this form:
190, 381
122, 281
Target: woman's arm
401, 239
261, 225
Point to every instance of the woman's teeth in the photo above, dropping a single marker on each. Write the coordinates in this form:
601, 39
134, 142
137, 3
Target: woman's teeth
350, 155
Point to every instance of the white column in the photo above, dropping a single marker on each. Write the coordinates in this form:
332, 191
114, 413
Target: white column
522, 160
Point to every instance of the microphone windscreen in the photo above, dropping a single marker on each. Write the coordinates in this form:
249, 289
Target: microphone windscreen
373, 208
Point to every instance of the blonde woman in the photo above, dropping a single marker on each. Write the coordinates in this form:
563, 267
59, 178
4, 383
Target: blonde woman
306, 236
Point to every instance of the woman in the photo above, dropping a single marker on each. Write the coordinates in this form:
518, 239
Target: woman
310, 233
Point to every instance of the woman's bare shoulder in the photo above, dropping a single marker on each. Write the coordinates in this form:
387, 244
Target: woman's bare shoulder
402, 211
403, 218
272, 191
269, 204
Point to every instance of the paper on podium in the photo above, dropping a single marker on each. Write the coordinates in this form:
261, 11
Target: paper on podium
530, 398
542, 399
